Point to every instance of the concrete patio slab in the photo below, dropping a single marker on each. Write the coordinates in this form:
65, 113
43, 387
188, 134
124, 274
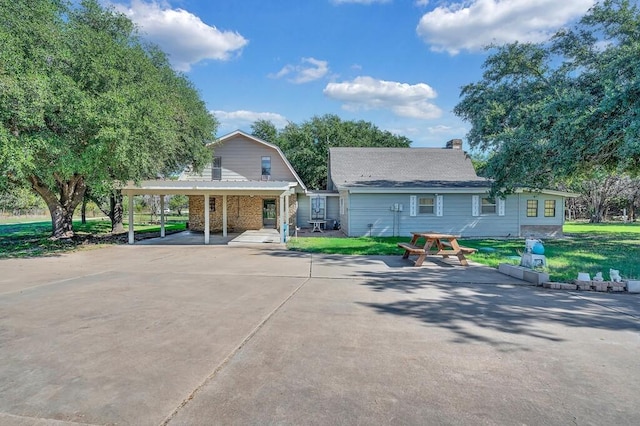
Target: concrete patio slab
149, 334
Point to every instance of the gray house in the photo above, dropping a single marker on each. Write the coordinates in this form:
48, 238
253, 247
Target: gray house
371, 191
394, 191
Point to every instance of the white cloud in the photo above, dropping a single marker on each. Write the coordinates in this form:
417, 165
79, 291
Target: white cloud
310, 69
405, 100
474, 24
421, 2
232, 120
182, 35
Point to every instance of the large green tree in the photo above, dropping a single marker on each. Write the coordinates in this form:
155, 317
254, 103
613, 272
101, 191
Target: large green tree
85, 102
307, 145
553, 110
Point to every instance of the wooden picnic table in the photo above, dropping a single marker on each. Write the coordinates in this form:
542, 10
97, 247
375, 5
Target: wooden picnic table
444, 245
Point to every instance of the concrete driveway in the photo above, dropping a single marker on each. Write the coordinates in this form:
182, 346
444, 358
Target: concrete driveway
196, 335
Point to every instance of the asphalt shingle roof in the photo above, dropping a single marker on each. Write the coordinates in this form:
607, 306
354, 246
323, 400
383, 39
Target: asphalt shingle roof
403, 168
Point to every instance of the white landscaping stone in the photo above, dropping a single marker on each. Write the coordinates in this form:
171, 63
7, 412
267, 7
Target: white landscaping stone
633, 286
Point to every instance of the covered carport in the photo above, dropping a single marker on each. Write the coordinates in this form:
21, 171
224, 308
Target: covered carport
206, 189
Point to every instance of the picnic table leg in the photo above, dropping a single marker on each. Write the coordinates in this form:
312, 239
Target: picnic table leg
440, 248
421, 258
406, 254
462, 259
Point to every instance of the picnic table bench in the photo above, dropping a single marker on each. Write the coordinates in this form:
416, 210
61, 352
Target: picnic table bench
445, 245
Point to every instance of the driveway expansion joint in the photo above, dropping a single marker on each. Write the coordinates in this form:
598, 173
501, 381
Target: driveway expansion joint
229, 357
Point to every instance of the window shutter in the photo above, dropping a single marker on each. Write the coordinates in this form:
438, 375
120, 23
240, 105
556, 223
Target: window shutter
341, 205
413, 201
501, 206
438, 205
475, 205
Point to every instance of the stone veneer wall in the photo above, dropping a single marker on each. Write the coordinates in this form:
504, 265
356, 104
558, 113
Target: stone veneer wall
243, 212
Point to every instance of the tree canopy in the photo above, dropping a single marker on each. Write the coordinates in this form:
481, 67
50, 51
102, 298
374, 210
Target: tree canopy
551, 110
306, 145
85, 102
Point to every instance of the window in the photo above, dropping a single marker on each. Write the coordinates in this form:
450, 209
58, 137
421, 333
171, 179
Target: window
425, 205
212, 204
549, 208
488, 205
532, 208
266, 168
318, 205
216, 168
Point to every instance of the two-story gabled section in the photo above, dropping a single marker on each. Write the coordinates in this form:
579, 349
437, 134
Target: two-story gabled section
257, 180
248, 185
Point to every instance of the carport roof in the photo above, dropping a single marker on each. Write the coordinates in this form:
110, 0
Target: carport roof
160, 187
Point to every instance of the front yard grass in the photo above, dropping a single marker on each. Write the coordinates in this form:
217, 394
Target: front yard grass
585, 248
33, 239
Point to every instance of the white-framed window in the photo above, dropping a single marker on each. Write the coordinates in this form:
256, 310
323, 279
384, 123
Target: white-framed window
488, 206
265, 165
426, 205
318, 208
216, 168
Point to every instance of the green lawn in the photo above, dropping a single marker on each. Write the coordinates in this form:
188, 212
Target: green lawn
32, 239
586, 248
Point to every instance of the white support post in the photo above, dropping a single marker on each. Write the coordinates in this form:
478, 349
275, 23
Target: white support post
282, 236
224, 215
162, 233
206, 218
286, 215
131, 239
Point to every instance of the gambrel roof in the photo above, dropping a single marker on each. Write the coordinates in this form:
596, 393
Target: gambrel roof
403, 168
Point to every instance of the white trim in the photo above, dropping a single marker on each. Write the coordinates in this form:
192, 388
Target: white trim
501, 206
422, 190
162, 231
131, 235
341, 205
475, 205
206, 219
413, 205
547, 192
224, 215
439, 207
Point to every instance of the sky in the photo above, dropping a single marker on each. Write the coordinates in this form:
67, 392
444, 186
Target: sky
399, 64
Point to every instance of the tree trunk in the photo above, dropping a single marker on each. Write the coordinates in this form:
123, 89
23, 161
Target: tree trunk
61, 208
116, 212
83, 211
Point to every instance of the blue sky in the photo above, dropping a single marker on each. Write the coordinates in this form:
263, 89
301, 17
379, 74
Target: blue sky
399, 64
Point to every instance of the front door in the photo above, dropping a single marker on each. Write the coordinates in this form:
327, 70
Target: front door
269, 213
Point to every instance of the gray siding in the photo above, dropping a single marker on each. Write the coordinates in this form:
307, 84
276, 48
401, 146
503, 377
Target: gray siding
241, 161
344, 217
558, 219
370, 214
304, 209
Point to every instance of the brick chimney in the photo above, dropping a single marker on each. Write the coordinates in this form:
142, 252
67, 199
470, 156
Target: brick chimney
454, 144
